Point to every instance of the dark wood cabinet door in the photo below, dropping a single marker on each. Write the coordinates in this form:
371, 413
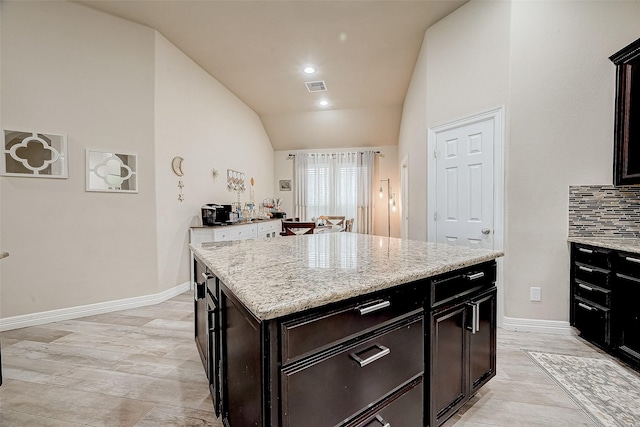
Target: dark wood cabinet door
626, 162
200, 314
482, 342
628, 322
449, 361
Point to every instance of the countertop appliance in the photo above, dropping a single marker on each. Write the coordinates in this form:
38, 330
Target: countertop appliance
215, 214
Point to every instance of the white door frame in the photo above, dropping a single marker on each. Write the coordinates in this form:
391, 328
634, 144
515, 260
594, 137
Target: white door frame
497, 115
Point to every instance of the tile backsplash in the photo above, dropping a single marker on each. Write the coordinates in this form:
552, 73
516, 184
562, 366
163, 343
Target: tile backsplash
604, 211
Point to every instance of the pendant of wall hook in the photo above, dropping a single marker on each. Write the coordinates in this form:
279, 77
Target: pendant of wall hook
181, 186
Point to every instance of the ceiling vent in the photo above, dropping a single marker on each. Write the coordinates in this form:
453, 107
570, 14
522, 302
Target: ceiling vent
319, 86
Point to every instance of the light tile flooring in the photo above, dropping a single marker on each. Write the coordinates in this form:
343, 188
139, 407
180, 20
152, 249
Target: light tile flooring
140, 367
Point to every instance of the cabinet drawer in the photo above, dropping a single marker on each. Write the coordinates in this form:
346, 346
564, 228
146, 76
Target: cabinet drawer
316, 331
457, 285
593, 275
406, 410
243, 232
592, 293
593, 321
327, 392
589, 255
628, 264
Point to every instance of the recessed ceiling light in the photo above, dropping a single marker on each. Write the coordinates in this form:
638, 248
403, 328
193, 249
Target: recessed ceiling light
309, 70
324, 103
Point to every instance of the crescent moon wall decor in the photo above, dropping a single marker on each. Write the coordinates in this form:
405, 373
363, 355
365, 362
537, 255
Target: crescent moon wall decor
176, 165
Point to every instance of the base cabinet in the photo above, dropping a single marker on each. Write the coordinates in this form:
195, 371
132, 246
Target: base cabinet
360, 362
463, 352
605, 291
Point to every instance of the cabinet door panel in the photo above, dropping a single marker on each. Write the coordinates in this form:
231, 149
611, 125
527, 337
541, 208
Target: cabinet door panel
628, 290
482, 343
448, 362
330, 391
594, 322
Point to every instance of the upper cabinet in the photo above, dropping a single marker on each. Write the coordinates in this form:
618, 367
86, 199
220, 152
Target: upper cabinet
626, 160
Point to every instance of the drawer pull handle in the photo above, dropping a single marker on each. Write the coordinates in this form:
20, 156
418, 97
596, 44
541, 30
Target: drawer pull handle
636, 260
587, 269
475, 276
586, 307
382, 422
588, 288
586, 251
379, 355
378, 305
207, 276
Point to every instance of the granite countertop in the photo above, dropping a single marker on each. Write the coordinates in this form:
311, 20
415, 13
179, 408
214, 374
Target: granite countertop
280, 276
4, 254
627, 244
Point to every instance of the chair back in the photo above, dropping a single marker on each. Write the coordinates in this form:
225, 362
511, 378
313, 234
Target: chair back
348, 225
335, 220
292, 228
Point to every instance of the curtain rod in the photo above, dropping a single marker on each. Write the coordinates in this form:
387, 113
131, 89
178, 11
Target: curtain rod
292, 156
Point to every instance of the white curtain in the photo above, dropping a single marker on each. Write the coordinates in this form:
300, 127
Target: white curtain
335, 184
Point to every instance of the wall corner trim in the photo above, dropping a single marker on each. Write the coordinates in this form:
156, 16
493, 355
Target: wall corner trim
555, 327
44, 317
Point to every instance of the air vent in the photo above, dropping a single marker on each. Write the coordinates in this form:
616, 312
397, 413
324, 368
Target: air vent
319, 86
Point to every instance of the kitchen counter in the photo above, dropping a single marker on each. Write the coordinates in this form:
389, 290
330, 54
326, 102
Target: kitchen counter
621, 244
281, 276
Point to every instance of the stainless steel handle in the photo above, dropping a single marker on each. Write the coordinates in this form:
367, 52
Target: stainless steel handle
475, 276
586, 307
207, 276
364, 362
585, 287
586, 251
587, 269
485, 231
382, 422
636, 260
378, 305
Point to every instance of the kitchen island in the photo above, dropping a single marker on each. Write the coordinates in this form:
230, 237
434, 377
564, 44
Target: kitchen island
343, 329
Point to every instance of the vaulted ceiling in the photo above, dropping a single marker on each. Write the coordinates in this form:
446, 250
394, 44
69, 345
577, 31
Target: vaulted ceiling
364, 51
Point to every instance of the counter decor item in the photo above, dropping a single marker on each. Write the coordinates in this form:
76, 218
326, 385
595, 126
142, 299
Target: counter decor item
34, 154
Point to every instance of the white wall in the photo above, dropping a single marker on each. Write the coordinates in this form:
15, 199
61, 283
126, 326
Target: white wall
113, 85
388, 167
562, 91
547, 62
200, 120
68, 69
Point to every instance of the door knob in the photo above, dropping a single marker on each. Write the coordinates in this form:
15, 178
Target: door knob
485, 231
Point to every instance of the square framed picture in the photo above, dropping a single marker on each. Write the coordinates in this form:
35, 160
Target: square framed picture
285, 185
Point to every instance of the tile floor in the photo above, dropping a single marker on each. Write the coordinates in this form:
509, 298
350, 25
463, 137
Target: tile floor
140, 367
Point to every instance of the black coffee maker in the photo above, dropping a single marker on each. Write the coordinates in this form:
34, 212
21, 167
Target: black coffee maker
214, 214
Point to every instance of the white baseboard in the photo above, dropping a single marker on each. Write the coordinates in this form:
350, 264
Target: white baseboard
555, 327
41, 318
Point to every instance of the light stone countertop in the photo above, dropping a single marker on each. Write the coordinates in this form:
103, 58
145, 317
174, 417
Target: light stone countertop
621, 244
284, 275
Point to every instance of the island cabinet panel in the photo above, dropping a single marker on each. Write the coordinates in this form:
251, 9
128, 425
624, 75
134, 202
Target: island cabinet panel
361, 362
358, 375
627, 305
462, 353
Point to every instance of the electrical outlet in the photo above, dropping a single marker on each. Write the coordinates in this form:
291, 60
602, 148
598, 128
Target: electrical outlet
535, 294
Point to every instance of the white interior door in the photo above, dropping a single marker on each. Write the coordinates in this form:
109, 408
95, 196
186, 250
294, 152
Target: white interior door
464, 185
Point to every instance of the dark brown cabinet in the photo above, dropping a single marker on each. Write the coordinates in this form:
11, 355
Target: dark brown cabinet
206, 321
360, 362
605, 290
626, 162
463, 343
